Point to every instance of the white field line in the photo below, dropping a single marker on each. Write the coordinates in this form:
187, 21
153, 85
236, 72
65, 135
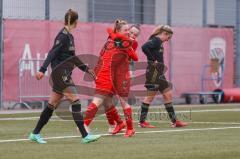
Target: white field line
143, 132
185, 111
134, 107
24, 118
157, 121
162, 121
210, 110
193, 122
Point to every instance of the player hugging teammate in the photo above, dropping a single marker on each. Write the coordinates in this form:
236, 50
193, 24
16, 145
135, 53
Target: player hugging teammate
113, 78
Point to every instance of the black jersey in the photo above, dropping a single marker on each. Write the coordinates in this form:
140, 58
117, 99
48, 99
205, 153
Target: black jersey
153, 49
62, 50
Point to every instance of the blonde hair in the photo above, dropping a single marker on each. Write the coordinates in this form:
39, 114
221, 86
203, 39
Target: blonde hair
160, 29
118, 25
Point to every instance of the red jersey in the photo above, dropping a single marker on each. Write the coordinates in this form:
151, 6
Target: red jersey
110, 70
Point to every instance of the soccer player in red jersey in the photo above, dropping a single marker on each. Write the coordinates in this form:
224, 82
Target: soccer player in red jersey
134, 32
116, 51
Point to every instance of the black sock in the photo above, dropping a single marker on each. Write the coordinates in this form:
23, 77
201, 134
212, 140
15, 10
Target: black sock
44, 117
144, 112
171, 112
78, 118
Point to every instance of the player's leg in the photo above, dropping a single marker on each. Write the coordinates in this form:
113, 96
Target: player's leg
103, 90
113, 116
109, 109
77, 115
109, 116
128, 116
167, 96
93, 108
165, 88
153, 73
144, 109
45, 116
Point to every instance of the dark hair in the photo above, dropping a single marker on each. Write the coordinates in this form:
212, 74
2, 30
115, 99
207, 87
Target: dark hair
118, 25
136, 26
70, 17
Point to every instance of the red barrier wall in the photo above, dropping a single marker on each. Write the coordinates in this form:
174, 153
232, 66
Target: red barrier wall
190, 47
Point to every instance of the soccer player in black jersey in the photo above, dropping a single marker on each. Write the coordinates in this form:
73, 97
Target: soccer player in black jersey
62, 58
155, 79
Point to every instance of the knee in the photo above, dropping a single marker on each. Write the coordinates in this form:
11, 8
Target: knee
51, 106
148, 100
97, 101
71, 97
167, 96
125, 104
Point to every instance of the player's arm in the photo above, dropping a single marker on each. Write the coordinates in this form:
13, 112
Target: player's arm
132, 54
83, 67
77, 62
135, 45
60, 41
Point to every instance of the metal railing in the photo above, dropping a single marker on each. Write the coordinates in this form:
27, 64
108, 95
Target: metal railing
30, 89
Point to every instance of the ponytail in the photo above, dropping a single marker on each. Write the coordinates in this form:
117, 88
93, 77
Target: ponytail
70, 17
118, 25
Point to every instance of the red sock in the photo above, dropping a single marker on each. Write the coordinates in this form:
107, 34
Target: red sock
90, 113
116, 116
128, 117
109, 115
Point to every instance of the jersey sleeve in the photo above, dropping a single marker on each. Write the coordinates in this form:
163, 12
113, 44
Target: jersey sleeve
59, 42
135, 45
153, 43
77, 62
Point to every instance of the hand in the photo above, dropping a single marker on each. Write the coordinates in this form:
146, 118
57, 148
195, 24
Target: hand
92, 73
39, 75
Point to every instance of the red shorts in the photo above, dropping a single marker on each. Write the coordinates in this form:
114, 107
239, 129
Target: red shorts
122, 82
118, 83
104, 87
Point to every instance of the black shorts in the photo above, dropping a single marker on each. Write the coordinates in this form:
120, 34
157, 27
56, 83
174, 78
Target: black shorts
155, 78
60, 80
